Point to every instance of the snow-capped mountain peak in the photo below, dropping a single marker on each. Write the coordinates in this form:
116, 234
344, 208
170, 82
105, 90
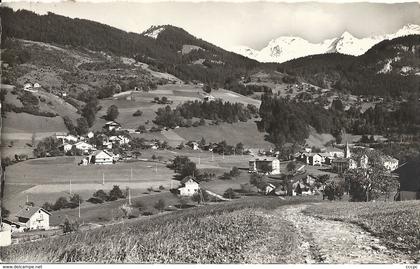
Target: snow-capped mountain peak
286, 48
153, 31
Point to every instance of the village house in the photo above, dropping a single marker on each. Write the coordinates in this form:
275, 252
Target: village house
37, 85
314, 159
83, 146
90, 134
65, 147
389, 162
120, 139
34, 218
27, 86
102, 157
194, 145
112, 125
15, 227
409, 177
269, 165
63, 137
268, 188
189, 186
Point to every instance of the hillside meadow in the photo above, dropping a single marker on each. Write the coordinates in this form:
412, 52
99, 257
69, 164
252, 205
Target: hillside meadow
218, 233
398, 223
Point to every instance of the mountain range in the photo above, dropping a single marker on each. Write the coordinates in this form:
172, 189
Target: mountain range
286, 48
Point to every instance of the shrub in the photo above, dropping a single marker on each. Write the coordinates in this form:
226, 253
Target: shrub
230, 194
60, 203
138, 113
95, 200
101, 194
69, 226
76, 199
115, 193
160, 205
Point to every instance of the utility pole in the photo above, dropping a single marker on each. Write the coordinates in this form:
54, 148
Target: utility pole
212, 157
129, 192
70, 186
79, 208
103, 178
156, 168
199, 160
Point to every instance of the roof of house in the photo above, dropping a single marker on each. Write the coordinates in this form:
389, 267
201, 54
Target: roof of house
341, 160
112, 123
105, 151
28, 212
186, 179
263, 159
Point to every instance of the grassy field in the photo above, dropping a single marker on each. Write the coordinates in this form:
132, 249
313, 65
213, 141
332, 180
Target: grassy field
219, 233
244, 132
398, 223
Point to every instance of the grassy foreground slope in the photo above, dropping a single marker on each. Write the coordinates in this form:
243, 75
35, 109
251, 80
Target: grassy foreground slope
218, 233
398, 223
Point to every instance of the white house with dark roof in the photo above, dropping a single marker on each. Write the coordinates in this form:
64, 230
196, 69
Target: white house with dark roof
83, 146
34, 218
112, 125
189, 186
263, 164
102, 157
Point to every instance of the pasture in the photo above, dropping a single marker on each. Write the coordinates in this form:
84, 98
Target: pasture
44, 180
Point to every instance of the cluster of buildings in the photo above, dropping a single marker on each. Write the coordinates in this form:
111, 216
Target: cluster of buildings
341, 161
29, 87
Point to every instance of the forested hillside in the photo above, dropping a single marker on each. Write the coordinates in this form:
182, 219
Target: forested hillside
210, 64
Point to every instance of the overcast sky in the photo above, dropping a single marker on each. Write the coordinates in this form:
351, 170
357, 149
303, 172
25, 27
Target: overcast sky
252, 24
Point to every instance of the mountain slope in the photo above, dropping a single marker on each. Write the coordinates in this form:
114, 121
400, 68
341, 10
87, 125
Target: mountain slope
162, 50
286, 48
390, 68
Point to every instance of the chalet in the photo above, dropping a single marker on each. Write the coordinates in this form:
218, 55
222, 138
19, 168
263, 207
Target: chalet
66, 137
120, 139
33, 218
102, 157
389, 162
268, 188
83, 146
112, 125
314, 159
189, 186
65, 147
90, 134
27, 86
37, 85
13, 226
409, 177
194, 145
269, 165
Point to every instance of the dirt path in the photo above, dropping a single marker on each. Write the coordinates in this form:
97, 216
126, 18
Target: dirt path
327, 241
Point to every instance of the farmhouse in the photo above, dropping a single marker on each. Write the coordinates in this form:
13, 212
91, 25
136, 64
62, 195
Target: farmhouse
90, 134
120, 139
389, 163
65, 147
314, 159
189, 186
112, 125
37, 85
83, 146
65, 137
102, 157
409, 177
13, 226
269, 165
33, 218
